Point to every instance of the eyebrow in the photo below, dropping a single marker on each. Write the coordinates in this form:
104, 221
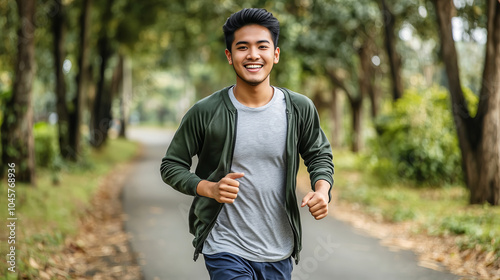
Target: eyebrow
246, 43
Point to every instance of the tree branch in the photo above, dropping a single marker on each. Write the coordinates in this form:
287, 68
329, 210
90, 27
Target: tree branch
338, 81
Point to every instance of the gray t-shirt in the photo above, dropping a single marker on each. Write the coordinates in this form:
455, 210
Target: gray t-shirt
256, 226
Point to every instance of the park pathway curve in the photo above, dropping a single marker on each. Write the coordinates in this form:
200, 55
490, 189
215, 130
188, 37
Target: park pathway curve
156, 218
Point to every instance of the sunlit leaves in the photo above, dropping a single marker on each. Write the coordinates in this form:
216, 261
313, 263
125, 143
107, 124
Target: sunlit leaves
418, 138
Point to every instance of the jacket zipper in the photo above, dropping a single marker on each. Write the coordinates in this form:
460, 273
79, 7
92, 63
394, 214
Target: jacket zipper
295, 234
230, 162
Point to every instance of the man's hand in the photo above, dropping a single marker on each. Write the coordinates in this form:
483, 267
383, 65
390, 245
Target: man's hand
224, 191
318, 201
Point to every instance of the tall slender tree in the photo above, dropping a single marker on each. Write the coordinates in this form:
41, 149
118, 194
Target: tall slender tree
122, 23
356, 105
101, 108
390, 47
59, 34
82, 80
479, 135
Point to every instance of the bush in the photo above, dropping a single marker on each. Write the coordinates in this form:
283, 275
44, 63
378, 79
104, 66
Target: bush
416, 139
476, 229
46, 152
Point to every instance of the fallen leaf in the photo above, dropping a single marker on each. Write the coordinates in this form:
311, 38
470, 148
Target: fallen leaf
44, 275
33, 263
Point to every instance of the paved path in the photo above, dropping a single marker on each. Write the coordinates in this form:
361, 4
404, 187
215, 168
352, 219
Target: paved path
157, 221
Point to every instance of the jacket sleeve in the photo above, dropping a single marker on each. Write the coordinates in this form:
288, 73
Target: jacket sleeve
176, 164
314, 147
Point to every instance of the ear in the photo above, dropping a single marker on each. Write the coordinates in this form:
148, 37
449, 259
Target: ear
229, 57
276, 55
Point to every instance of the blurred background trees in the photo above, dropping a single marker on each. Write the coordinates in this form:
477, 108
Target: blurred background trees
17, 122
414, 85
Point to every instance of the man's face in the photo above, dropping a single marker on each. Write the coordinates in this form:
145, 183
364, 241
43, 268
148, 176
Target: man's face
253, 54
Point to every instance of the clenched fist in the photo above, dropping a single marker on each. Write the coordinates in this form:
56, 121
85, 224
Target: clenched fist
224, 191
318, 201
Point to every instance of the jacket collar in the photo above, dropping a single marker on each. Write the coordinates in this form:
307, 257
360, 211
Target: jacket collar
225, 97
227, 101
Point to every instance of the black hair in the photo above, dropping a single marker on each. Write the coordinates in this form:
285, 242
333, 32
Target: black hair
251, 16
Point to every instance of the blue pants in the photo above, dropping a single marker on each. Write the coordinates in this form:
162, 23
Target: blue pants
225, 266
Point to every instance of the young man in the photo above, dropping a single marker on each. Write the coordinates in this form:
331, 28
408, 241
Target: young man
248, 138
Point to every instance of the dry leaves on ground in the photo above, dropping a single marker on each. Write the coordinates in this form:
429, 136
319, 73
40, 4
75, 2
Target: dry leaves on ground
101, 250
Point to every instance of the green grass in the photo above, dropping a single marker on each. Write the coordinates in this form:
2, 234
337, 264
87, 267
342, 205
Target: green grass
435, 210
49, 213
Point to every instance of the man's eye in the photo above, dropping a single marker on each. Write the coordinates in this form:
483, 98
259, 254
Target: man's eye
242, 48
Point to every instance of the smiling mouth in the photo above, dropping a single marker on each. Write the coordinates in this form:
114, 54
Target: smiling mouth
253, 66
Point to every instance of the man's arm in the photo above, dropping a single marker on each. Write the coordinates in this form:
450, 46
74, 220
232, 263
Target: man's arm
176, 164
317, 154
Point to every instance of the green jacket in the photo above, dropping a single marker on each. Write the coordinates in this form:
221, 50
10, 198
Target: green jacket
208, 130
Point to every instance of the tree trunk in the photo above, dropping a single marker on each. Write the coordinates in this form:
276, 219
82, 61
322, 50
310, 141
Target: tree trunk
75, 114
356, 104
117, 79
356, 111
390, 46
366, 76
117, 84
373, 93
59, 30
17, 127
479, 136
488, 187
336, 119
101, 113
126, 97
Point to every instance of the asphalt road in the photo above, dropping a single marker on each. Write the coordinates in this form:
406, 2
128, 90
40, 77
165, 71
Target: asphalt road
157, 220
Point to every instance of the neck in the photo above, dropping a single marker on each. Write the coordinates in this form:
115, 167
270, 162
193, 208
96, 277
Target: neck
253, 96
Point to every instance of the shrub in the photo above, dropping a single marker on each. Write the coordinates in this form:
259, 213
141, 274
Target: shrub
476, 229
46, 152
416, 139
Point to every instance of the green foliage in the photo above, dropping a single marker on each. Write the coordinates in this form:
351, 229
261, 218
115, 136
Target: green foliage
475, 229
46, 152
417, 139
325, 49
472, 101
388, 204
8, 35
4, 96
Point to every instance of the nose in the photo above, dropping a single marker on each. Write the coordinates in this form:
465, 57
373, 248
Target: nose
253, 54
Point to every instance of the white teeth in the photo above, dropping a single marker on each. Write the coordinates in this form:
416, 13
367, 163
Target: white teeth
253, 66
